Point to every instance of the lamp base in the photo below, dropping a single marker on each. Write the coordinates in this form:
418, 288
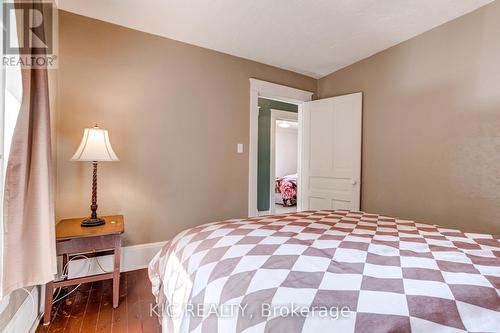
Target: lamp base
90, 222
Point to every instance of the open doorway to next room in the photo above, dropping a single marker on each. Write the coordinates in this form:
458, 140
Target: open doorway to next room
277, 157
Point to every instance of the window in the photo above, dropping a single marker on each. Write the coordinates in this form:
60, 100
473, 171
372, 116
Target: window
11, 94
12, 103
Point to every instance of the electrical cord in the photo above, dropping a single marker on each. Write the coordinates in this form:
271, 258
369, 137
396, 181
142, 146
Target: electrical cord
63, 296
99, 264
65, 274
66, 267
32, 299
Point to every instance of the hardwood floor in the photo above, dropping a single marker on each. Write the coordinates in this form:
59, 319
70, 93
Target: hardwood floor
280, 209
90, 308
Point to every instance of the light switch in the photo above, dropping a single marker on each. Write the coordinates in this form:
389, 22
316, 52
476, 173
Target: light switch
239, 148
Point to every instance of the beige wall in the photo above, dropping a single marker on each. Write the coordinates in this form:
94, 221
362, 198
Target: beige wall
175, 113
431, 124
431, 147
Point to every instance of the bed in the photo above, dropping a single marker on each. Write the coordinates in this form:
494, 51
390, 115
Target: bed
285, 189
331, 271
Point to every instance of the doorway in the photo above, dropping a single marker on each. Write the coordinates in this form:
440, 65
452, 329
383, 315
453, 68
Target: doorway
277, 156
328, 149
279, 93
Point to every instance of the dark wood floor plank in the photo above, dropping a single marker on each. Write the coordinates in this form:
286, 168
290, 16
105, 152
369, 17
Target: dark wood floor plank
91, 315
62, 314
150, 322
90, 308
133, 306
105, 318
120, 320
78, 310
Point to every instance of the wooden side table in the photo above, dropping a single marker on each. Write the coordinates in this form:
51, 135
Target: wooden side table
72, 239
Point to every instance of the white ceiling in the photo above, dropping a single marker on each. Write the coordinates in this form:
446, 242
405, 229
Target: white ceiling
314, 37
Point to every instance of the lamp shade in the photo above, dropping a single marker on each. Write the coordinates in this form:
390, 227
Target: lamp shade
95, 146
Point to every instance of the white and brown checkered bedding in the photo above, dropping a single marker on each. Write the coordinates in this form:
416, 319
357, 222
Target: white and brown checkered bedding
392, 275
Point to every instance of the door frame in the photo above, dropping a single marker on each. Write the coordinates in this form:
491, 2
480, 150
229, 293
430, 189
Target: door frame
275, 116
264, 89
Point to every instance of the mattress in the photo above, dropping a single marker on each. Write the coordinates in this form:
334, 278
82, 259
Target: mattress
335, 271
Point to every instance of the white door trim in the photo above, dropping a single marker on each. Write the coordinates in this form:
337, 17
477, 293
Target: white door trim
279, 115
259, 88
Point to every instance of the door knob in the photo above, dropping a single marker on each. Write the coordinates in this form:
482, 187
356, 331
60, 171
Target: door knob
353, 181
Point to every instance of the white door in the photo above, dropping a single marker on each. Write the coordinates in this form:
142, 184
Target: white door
331, 153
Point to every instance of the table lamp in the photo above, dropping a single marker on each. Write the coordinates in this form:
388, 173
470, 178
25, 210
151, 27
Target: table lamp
95, 147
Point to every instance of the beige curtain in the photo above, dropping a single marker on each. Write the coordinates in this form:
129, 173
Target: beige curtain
29, 238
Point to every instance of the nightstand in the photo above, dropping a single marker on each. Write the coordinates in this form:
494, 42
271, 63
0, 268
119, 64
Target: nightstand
73, 239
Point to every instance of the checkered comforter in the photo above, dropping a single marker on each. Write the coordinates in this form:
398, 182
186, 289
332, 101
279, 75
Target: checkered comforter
328, 271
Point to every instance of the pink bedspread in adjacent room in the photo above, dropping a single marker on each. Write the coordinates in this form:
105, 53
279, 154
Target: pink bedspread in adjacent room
328, 271
287, 187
